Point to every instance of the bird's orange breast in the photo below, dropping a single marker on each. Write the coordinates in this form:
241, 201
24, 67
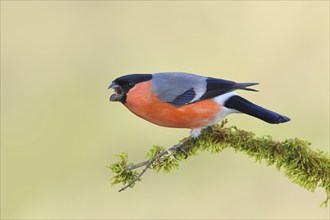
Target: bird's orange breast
142, 101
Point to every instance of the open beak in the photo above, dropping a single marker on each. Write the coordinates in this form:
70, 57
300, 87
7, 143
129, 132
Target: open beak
119, 92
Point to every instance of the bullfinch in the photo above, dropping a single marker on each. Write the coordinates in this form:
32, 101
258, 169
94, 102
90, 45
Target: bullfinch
185, 100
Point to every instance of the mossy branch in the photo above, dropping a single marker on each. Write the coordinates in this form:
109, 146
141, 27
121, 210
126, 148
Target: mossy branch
308, 168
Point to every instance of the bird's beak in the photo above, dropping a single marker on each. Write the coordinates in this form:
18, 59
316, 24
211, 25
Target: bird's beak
119, 92
113, 85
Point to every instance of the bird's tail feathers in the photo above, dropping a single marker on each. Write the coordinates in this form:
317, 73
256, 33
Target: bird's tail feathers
242, 105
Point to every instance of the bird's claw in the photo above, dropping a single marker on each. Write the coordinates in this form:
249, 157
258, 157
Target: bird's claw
180, 149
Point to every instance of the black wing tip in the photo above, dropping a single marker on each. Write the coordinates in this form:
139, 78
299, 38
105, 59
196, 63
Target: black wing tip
249, 89
243, 86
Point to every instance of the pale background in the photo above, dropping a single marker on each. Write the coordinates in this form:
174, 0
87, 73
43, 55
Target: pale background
58, 129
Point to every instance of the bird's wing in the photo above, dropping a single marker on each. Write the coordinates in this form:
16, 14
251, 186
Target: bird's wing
216, 87
180, 89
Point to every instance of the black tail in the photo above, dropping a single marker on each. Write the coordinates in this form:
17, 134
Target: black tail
240, 104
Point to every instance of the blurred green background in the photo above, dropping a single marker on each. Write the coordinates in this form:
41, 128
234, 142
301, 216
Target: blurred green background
58, 129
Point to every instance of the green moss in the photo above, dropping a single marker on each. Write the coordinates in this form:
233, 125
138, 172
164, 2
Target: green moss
305, 167
121, 174
166, 163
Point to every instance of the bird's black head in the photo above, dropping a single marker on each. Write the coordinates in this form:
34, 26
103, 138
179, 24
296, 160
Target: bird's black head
123, 84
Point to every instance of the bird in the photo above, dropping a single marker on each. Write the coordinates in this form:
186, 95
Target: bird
186, 100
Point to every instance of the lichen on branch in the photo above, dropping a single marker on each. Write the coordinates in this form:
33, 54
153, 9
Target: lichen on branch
308, 168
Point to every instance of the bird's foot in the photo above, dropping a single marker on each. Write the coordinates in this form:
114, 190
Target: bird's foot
179, 148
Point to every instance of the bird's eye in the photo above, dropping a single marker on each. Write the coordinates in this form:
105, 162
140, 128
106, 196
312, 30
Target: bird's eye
130, 85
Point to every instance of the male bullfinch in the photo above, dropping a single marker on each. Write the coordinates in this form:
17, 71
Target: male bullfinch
184, 100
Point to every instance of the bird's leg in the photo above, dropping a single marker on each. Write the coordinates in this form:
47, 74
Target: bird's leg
194, 133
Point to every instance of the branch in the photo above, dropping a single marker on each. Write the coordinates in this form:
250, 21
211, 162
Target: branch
309, 169
147, 165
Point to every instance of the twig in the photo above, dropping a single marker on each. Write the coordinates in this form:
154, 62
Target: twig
135, 166
144, 170
148, 163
